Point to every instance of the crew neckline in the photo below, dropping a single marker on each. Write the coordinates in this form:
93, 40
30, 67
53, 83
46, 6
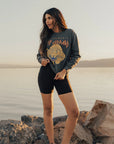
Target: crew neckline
59, 32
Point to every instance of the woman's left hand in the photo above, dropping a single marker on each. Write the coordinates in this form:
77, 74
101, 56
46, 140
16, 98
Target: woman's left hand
60, 75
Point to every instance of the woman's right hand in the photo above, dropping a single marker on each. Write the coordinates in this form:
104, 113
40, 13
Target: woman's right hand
44, 61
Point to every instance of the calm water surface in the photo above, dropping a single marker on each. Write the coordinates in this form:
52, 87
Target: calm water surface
20, 95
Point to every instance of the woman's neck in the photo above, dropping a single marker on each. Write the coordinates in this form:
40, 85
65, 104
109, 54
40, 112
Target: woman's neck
56, 29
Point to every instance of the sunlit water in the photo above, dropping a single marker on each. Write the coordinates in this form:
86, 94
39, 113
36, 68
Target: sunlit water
20, 95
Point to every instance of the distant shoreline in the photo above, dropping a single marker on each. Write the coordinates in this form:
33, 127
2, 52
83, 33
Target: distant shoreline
75, 67
85, 63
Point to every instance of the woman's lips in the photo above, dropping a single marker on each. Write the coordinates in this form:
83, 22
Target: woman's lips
49, 25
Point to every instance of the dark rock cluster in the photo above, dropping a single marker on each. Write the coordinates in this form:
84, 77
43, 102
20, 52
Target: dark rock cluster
94, 127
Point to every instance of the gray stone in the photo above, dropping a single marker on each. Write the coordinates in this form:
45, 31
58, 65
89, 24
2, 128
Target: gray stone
101, 119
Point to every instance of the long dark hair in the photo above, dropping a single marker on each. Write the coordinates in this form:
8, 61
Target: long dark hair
46, 32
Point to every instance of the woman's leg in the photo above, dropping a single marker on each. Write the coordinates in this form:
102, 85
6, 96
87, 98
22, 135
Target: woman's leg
48, 114
72, 110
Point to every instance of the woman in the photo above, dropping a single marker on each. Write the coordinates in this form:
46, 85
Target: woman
57, 54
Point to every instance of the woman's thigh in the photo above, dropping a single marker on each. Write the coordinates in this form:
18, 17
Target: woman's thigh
47, 102
70, 103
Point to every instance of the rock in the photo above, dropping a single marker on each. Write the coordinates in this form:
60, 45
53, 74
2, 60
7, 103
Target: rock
101, 119
59, 119
20, 132
82, 117
39, 142
107, 140
35, 122
58, 132
81, 135
16, 133
29, 120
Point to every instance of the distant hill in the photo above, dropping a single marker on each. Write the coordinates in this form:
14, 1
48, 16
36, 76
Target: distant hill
109, 62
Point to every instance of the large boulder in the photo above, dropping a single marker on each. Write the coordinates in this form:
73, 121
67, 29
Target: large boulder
101, 119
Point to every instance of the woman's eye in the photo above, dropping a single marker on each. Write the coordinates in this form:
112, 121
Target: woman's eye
48, 18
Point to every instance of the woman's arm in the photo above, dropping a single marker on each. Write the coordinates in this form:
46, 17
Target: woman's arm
75, 53
39, 57
42, 60
74, 57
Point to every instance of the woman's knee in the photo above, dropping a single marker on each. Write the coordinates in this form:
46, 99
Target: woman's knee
74, 113
48, 111
47, 103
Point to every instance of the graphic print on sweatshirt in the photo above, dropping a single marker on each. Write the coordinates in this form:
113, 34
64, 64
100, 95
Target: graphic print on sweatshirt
55, 51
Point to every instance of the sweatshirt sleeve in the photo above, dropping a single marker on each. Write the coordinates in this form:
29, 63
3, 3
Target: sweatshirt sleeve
39, 57
75, 53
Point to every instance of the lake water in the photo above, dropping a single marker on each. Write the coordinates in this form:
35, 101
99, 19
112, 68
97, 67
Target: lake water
20, 95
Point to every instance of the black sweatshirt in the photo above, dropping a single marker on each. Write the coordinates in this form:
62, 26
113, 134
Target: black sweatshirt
62, 50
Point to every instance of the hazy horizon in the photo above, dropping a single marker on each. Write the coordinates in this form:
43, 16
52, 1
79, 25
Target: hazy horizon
21, 22
84, 63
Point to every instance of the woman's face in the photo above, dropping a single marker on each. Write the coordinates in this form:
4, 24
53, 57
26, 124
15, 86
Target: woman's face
50, 21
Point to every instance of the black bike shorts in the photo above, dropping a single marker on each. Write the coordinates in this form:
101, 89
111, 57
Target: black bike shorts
47, 82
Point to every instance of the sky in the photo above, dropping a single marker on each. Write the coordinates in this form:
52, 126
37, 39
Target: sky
21, 23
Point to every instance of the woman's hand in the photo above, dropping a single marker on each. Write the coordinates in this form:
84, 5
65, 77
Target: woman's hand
60, 75
44, 61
